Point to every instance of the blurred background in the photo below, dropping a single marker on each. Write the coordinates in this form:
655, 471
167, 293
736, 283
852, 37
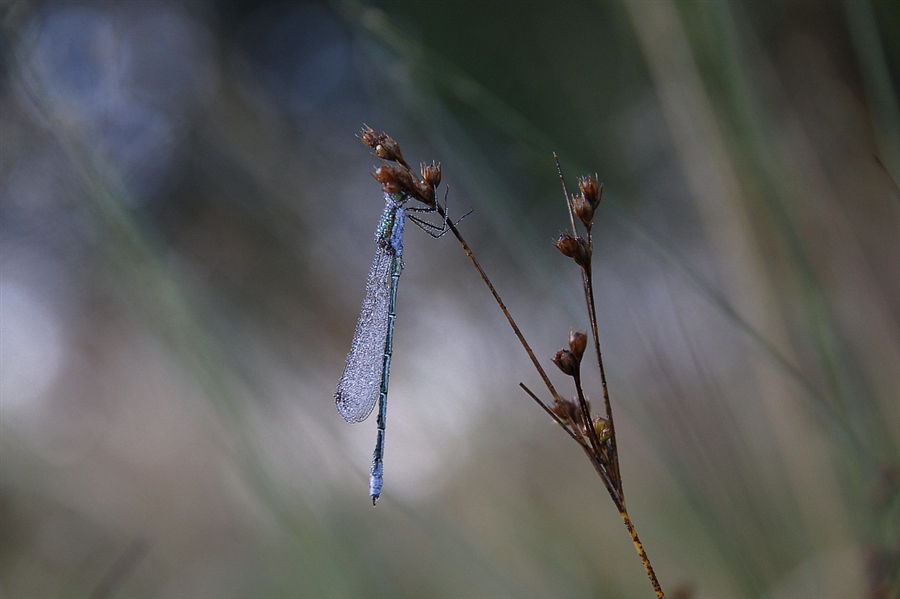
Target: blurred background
187, 224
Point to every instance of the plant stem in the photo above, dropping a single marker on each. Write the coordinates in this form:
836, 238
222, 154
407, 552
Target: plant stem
556, 419
626, 519
499, 301
592, 312
588, 422
612, 481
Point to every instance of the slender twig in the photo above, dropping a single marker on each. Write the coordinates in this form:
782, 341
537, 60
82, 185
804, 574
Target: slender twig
626, 519
553, 415
562, 180
586, 415
592, 311
490, 286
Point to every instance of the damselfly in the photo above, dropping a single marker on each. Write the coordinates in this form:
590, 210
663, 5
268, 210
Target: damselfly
365, 377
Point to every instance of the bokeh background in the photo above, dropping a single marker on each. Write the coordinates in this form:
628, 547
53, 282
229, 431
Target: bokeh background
187, 223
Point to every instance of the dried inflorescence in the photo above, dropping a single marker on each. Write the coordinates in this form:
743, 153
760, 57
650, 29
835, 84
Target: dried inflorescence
575, 247
575, 414
569, 359
595, 433
384, 147
582, 207
399, 177
586, 203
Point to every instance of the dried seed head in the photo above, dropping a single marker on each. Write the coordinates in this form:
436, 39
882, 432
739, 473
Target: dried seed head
431, 174
576, 248
383, 146
388, 149
567, 245
394, 179
584, 211
567, 362
368, 136
405, 179
559, 411
567, 410
577, 343
590, 191
424, 192
386, 175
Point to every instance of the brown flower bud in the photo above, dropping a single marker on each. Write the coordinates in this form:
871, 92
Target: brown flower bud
431, 174
424, 192
387, 176
406, 182
567, 410
388, 149
567, 245
383, 146
566, 361
590, 191
368, 136
394, 179
577, 343
560, 411
576, 248
601, 427
584, 211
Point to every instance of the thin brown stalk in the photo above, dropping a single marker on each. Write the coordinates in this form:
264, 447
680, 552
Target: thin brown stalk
538, 401
562, 180
626, 519
490, 286
592, 312
586, 413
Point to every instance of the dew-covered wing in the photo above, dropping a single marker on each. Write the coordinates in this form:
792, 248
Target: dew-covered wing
360, 384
